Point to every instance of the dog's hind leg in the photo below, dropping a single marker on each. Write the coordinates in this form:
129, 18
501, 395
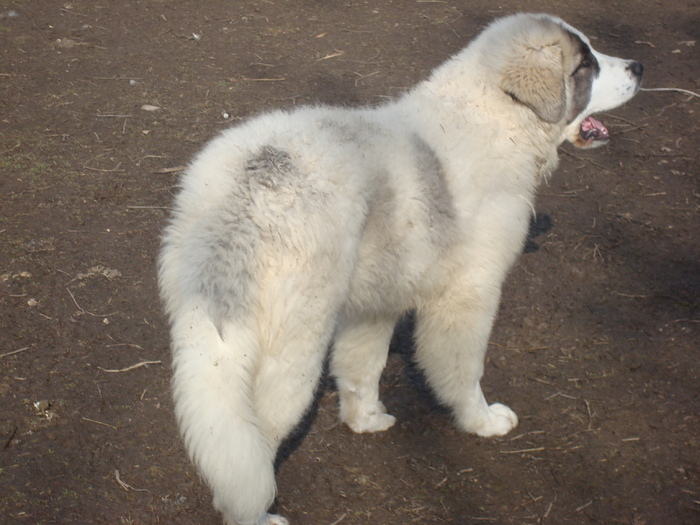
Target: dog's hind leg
288, 374
298, 307
358, 358
451, 338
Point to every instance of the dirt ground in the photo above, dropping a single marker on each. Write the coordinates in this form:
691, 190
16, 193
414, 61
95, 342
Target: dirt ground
595, 347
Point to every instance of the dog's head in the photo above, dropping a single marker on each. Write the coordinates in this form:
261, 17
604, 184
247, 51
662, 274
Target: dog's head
551, 68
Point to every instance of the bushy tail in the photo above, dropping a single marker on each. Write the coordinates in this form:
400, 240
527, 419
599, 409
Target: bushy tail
212, 388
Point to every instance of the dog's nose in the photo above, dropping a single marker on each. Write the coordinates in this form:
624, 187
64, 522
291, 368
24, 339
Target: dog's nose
636, 68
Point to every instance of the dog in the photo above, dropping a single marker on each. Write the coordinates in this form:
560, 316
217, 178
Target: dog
317, 228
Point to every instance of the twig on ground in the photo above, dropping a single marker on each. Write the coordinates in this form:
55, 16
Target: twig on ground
362, 77
171, 170
332, 55
631, 296
590, 414
579, 509
115, 170
559, 394
11, 149
8, 354
615, 117
65, 10
150, 157
533, 499
342, 517
132, 367
98, 422
530, 349
84, 310
526, 434
265, 79
630, 129
678, 90
126, 486
522, 451
117, 78
369, 61
125, 344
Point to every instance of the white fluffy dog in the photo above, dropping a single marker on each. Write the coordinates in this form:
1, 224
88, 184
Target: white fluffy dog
319, 227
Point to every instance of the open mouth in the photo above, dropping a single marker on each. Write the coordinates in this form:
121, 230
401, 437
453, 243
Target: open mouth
592, 130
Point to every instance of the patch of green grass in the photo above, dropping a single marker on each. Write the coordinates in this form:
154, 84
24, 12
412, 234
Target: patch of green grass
25, 168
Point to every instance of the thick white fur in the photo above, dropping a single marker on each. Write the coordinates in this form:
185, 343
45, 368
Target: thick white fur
300, 229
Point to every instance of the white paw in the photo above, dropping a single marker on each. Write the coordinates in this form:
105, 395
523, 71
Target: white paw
496, 420
364, 415
376, 422
500, 421
273, 519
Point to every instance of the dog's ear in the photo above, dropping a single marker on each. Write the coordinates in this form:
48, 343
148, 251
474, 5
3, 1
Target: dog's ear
534, 76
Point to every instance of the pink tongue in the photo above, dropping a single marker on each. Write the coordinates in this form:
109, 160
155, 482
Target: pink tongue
592, 129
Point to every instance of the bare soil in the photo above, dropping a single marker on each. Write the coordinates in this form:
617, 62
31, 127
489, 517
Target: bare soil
596, 345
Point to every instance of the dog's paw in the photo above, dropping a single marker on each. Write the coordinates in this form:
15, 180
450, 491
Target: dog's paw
273, 519
369, 419
365, 416
372, 423
496, 420
500, 421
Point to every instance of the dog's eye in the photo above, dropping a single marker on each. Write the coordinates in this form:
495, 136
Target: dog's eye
586, 63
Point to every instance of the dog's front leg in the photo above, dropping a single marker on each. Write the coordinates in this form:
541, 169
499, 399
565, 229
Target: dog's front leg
452, 334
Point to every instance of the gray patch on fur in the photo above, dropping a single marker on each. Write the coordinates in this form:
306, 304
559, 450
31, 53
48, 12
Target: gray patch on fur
378, 279
382, 279
227, 244
346, 133
441, 212
582, 78
381, 212
270, 166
